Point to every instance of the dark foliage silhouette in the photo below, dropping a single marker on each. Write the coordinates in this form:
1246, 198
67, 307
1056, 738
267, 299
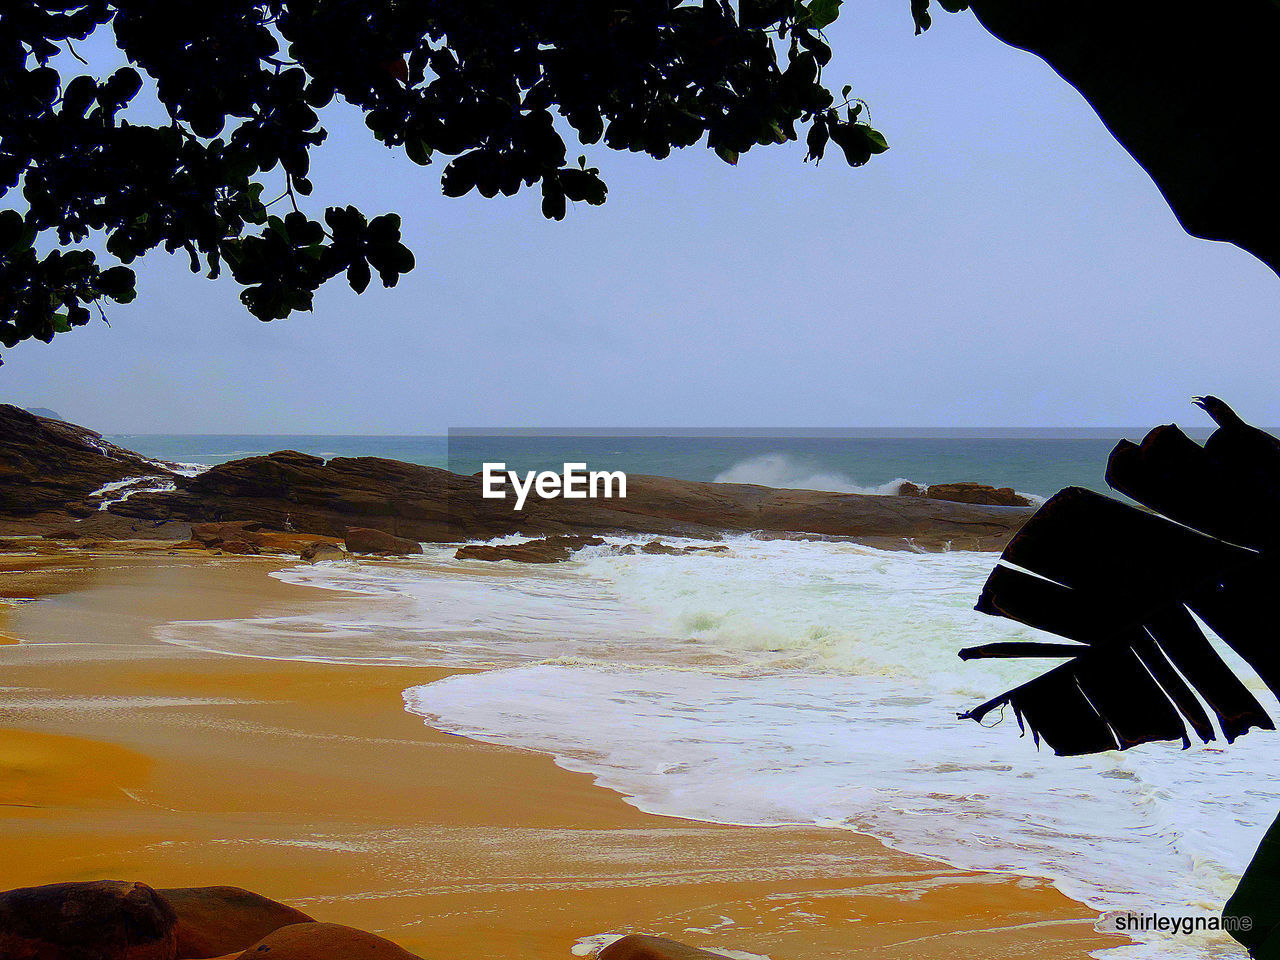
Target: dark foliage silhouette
494, 87
1122, 584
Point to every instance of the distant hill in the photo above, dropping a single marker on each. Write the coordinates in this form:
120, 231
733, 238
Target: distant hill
44, 412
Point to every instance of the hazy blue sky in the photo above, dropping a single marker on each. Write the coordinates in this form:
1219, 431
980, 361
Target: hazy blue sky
1005, 263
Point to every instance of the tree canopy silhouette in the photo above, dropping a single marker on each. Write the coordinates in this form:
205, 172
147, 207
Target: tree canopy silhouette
1193, 130
496, 90
491, 90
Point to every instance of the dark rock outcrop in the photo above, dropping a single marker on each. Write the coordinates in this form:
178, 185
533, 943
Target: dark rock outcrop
115, 920
251, 537
98, 920
49, 469
428, 504
544, 550
318, 552
49, 466
368, 540
324, 941
290, 490
657, 548
216, 921
637, 946
216, 534
979, 493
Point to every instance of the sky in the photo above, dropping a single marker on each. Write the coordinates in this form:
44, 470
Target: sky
1006, 263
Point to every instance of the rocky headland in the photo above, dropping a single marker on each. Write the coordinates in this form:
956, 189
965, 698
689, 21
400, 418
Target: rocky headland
61, 480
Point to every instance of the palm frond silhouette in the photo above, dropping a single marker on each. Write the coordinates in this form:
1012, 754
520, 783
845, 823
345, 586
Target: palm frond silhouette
1130, 588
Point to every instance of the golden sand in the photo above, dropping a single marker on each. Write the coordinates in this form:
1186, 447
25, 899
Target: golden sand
128, 758
43, 769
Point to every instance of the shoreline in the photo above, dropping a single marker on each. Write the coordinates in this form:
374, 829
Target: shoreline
315, 787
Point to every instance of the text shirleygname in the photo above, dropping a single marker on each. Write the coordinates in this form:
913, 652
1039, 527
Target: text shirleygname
574, 482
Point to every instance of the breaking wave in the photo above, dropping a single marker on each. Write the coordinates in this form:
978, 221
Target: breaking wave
784, 470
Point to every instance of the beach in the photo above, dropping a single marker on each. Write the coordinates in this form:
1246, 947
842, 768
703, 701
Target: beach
795, 491
130, 758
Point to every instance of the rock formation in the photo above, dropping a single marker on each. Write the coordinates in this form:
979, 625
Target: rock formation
308, 496
543, 550
99, 920
966, 493
118, 920
49, 468
658, 548
215, 921
320, 552
428, 504
368, 540
324, 941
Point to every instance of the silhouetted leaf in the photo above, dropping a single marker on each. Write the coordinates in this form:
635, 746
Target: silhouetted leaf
823, 13
1132, 587
1256, 900
118, 284
359, 275
920, 14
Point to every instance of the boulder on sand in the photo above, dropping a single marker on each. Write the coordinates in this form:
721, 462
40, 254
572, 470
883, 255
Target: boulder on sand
366, 540
316, 552
638, 946
215, 921
252, 537
324, 941
97, 920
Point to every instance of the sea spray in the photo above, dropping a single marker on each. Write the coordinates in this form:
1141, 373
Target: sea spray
795, 473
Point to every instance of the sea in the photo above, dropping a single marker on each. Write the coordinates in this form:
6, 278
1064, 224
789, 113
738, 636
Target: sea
782, 681
1038, 462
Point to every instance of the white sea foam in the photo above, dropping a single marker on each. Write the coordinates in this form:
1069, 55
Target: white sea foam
114, 485
792, 682
794, 473
180, 468
120, 490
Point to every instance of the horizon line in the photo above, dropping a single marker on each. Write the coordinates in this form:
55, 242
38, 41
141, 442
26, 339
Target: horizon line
885, 432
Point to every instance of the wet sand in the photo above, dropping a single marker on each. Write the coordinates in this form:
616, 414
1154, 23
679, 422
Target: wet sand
127, 758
